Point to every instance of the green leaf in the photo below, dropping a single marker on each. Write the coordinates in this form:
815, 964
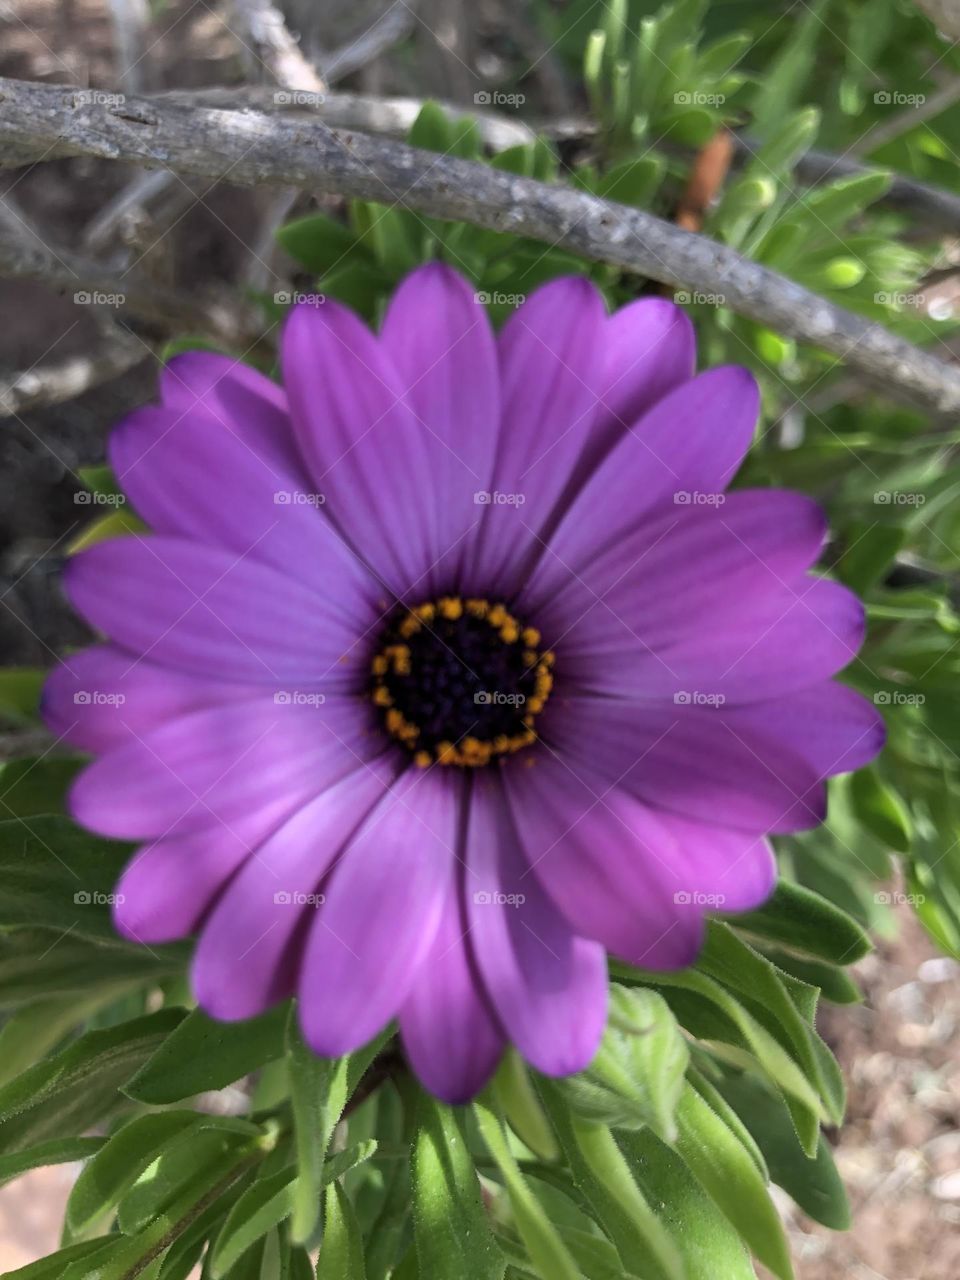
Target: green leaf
56, 1151
637, 1074
804, 921
319, 1090
620, 1209
814, 1184
546, 1249
728, 1173
520, 1106
431, 130
451, 1228
633, 182
77, 1088
772, 998
131, 1150
20, 689
261, 1207
341, 1254
31, 1032
880, 809
57, 876
54, 1265
318, 242
32, 786
40, 964
202, 1055
708, 1244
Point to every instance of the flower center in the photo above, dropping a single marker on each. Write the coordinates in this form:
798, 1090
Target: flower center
460, 681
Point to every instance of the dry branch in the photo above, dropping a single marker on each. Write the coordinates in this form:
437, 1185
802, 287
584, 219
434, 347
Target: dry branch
250, 148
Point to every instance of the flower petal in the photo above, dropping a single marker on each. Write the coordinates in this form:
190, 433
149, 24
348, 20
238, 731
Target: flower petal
687, 759
220, 763
441, 344
209, 612
164, 461
102, 696
608, 862
383, 907
449, 1030
548, 986
366, 451
249, 944
650, 348
551, 369
733, 649
690, 443
683, 560
245, 402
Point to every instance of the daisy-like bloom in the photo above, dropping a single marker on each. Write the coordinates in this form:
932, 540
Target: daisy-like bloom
449, 666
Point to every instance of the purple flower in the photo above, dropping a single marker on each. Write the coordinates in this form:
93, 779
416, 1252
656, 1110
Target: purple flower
450, 667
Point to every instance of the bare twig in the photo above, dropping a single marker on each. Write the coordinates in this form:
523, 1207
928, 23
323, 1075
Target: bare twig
251, 148
394, 25
49, 384
271, 49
